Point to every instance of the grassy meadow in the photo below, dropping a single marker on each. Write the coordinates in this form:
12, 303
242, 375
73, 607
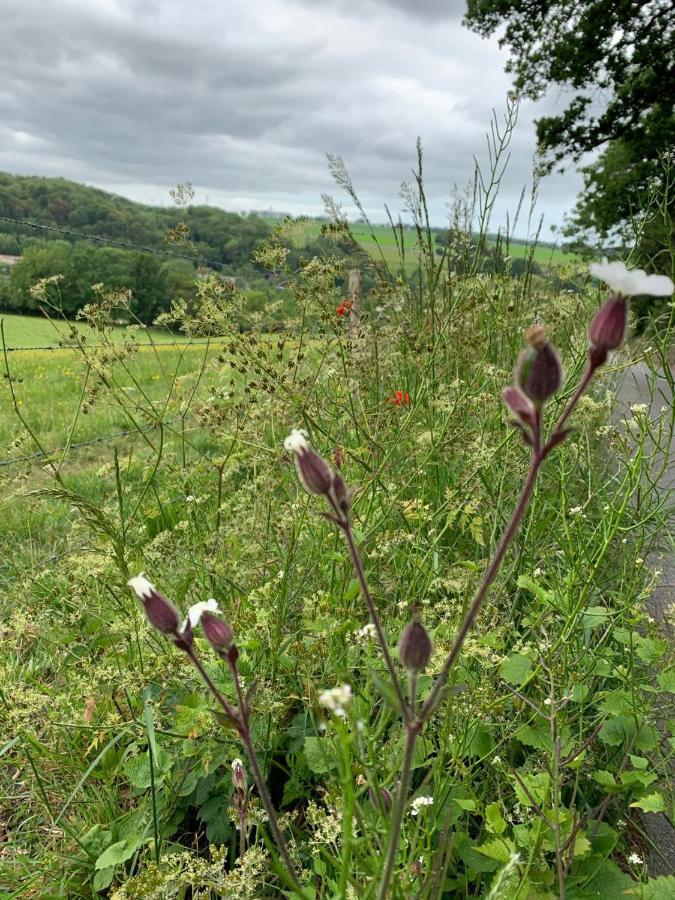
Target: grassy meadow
116, 765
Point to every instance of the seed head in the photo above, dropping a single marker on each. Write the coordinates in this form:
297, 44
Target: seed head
160, 611
414, 647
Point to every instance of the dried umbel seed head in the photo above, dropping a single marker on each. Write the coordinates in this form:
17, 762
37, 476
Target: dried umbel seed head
160, 611
315, 474
414, 648
608, 326
539, 371
217, 633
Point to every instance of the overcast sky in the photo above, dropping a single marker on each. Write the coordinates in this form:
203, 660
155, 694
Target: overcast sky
245, 97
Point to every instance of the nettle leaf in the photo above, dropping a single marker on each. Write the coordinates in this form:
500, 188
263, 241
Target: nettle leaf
501, 849
494, 820
619, 730
318, 755
654, 803
656, 889
516, 669
607, 882
649, 649
606, 779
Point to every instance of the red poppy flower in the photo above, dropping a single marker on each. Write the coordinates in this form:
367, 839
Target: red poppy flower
400, 398
344, 307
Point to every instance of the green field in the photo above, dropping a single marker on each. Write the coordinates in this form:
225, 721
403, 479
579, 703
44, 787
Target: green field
38, 331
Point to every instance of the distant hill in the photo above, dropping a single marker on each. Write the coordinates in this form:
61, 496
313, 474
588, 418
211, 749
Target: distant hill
224, 238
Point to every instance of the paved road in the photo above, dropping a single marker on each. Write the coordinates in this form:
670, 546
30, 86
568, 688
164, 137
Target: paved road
634, 388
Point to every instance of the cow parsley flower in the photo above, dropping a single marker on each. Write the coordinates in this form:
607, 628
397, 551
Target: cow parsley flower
629, 282
420, 802
336, 699
635, 860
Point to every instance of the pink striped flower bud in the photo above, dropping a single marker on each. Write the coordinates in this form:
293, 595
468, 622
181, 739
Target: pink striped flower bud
608, 326
538, 371
314, 473
160, 611
520, 405
414, 648
217, 633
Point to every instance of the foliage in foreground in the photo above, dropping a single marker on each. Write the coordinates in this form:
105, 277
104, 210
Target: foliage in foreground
117, 772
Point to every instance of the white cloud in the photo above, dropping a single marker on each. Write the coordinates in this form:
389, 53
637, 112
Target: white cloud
244, 99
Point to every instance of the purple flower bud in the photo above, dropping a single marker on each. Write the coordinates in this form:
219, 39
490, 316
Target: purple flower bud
385, 799
314, 472
239, 775
538, 371
217, 633
340, 493
160, 611
608, 326
520, 405
414, 648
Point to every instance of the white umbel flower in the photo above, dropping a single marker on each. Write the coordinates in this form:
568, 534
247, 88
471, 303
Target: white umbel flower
629, 282
195, 612
420, 802
296, 440
635, 860
336, 699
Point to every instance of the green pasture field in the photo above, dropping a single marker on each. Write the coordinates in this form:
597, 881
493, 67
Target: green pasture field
38, 331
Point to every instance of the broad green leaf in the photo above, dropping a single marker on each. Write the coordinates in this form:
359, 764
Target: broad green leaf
538, 737
117, 853
594, 616
466, 805
654, 803
500, 849
516, 668
318, 756
103, 878
666, 680
537, 787
606, 779
493, 817
656, 889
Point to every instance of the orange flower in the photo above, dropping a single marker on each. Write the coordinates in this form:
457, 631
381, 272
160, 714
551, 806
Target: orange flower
400, 398
344, 307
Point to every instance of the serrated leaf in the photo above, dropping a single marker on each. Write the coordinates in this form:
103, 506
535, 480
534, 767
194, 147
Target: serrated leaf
604, 778
666, 681
319, 760
654, 803
516, 669
656, 889
500, 849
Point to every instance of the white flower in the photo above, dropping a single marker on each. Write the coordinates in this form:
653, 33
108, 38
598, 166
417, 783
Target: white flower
629, 282
196, 611
237, 763
296, 440
336, 699
577, 511
143, 588
418, 803
189, 499
635, 860
368, 631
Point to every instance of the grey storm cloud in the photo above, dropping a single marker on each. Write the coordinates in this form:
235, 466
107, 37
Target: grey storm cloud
244, 100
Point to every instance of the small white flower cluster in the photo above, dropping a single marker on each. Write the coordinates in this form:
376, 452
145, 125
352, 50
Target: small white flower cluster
336, 699
418, 803
578, 511
368, 631
635, 860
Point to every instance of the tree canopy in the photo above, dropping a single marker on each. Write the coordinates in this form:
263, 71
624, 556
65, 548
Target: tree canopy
616, 61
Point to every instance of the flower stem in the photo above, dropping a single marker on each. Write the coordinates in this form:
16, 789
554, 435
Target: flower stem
346, 527
412, 730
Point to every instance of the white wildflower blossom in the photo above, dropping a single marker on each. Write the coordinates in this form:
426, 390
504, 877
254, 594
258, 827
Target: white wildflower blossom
418, 803
336, 699
635, 860
195, 612
296, 440
190, 498
577, 511
639, 409
140, 585
629, 282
